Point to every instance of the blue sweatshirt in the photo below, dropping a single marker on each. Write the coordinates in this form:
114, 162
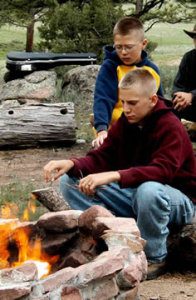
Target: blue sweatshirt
107, 107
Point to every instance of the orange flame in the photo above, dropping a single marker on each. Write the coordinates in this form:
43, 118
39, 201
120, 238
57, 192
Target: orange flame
27, 250
31, 208
10, 210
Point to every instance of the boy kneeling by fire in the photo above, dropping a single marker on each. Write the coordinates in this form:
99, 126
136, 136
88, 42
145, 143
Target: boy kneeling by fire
145, 169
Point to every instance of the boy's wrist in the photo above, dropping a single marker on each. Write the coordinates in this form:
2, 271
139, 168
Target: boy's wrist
101, 128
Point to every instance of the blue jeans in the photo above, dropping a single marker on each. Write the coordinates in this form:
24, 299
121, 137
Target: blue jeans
155, 206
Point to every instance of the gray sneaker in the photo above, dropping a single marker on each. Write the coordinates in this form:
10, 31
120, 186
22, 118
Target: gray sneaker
155, 270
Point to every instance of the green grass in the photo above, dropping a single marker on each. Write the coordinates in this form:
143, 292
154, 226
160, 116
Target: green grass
17, 195
13, 38
172, 42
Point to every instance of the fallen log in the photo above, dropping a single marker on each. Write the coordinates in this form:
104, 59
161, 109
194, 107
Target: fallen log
51, 199
32, 125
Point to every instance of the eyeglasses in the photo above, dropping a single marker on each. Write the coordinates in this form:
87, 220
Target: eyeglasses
127, 48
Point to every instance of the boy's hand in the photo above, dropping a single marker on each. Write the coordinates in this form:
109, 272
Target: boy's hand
56, 168
88, 184
96, 143
182, 100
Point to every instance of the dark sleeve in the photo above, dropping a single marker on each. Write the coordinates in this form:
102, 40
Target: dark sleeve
165, 162
105, 95
180, 81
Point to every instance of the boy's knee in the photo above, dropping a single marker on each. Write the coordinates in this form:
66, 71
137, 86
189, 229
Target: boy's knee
151, 194
149, 189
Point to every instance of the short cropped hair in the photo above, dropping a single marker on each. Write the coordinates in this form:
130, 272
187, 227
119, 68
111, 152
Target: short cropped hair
140, 77
126, 24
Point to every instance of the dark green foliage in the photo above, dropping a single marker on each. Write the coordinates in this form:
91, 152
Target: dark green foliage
151, 46
69, 28
168, 74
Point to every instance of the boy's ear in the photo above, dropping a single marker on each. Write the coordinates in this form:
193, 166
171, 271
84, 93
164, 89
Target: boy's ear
144, 43
154, 99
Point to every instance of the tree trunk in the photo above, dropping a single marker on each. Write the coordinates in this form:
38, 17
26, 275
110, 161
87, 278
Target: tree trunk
30, 36
33, 125
138, 6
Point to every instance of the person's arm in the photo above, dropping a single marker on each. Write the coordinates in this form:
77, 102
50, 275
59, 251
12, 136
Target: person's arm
182, 100
89, 183
105, 95
182, 96
180, 81
98, 141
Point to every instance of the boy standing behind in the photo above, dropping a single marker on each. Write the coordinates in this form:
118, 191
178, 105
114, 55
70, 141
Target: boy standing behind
126, 55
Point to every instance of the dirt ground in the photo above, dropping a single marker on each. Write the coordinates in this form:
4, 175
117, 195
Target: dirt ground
27, 166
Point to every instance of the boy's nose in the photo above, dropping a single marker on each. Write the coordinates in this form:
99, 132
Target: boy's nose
126, 107
124, 50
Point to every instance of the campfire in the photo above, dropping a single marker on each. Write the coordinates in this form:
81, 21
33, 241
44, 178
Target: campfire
67, 254
16, 247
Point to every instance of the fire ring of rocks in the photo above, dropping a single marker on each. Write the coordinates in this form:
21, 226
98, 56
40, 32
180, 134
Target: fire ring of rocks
91, 255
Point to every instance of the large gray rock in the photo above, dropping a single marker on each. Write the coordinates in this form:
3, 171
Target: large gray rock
81, 81
38, 86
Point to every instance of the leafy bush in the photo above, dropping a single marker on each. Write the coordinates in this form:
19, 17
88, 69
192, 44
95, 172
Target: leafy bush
151, 46
70, 28
168, 74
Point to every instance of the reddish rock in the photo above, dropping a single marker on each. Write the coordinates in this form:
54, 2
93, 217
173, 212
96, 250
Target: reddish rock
87, 218
135, 272
102, 289
121, 225
107, 263
59, 221
74, 259
14, 291
54, 281
71, 293
23, 273
113, 239
52, 243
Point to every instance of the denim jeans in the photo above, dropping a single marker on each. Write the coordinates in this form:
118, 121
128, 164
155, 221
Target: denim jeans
155, 206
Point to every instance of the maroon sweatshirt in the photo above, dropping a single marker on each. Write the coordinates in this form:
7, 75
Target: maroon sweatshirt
159, 151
